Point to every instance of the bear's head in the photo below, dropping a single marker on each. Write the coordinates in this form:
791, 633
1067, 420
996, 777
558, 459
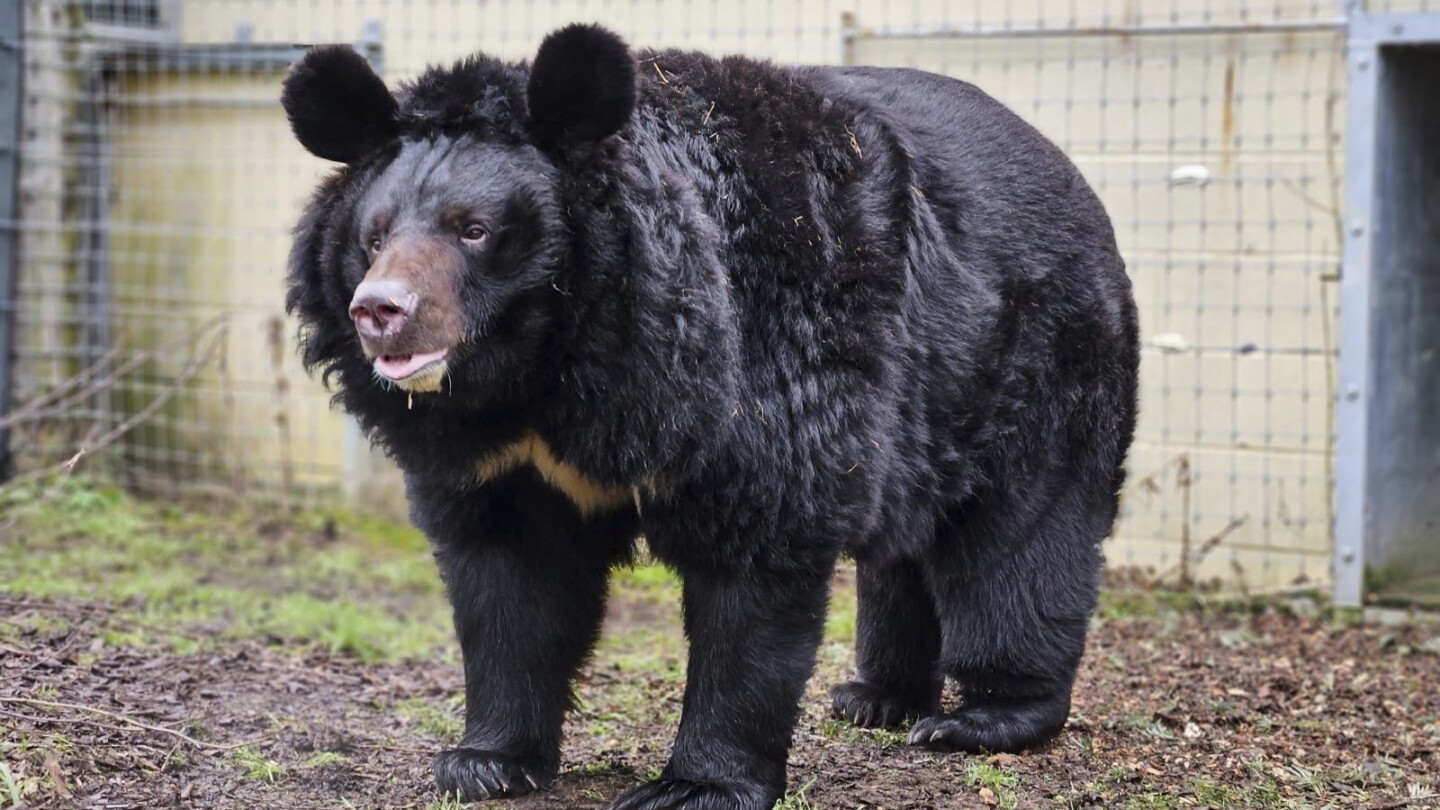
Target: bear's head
432, 254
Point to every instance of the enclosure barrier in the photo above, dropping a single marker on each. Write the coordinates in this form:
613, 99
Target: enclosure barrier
1285, 437
1387, 510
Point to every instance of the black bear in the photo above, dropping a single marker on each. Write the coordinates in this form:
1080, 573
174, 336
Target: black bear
761, 315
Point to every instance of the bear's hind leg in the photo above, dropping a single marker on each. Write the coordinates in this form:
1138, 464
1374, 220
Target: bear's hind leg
1014, 591
896, 646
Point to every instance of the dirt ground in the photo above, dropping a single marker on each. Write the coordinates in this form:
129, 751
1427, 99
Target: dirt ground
1179, 710
1176, 706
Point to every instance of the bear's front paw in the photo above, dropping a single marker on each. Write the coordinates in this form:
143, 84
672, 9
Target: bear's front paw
681, 794
869, 706
992, 728
474, 774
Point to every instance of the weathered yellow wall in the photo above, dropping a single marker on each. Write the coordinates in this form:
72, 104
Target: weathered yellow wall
206, 184
1242, 260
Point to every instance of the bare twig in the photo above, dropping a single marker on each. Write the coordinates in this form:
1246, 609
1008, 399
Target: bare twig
77, 707
1199, 555
1150, 484
170, 757
1183, 481
98, 613
6, 648
275, 336
96, 378
1215, 539
41, 606
398, 748
196, 362
38, 408
198, 359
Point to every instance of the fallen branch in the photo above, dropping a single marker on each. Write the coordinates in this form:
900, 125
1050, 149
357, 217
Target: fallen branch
179, 735
54, 608
6, 648
38, 408
198, 360
63, 398
62, 471
1199, 555
402, 749
102, 614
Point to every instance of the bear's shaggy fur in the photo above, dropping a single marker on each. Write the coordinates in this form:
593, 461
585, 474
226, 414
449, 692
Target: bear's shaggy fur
762, 315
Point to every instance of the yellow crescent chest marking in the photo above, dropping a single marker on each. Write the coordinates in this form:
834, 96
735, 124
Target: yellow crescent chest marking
587, 495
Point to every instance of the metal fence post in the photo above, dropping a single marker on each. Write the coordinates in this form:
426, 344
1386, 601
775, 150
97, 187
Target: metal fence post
1352, 437
11, 73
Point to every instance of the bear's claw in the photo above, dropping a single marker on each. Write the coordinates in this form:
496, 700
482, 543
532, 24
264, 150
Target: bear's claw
474, 774
992, 728
870, 706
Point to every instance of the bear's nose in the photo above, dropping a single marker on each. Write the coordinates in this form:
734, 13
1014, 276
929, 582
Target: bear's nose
380, 308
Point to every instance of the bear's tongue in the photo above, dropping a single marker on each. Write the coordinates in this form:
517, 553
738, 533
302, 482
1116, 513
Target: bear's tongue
400, 366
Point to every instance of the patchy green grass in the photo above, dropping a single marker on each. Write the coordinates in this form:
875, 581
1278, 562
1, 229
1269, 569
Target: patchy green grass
13, 792
324, 758
177, 578
840, 622
255, 765
843, 731
1129, 789
1152, 801
187, 578
112, 581
646, 580
449, 802
995, 784
443, 721
1130, 603
797, 800
656, 652
1211, 794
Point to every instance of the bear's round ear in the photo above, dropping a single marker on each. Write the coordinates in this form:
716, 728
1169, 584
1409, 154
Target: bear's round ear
582, 86
339, 109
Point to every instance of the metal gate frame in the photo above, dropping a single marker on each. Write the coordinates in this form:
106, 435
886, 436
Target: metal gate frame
1387, 483
108, 51
12, 71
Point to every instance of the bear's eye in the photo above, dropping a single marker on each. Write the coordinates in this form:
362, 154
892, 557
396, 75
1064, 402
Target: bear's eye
474, 232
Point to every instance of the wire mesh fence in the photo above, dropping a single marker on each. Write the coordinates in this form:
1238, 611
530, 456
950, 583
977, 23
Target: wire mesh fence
158, 181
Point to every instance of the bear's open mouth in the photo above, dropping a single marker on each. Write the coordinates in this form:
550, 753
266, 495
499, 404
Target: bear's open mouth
400, 367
